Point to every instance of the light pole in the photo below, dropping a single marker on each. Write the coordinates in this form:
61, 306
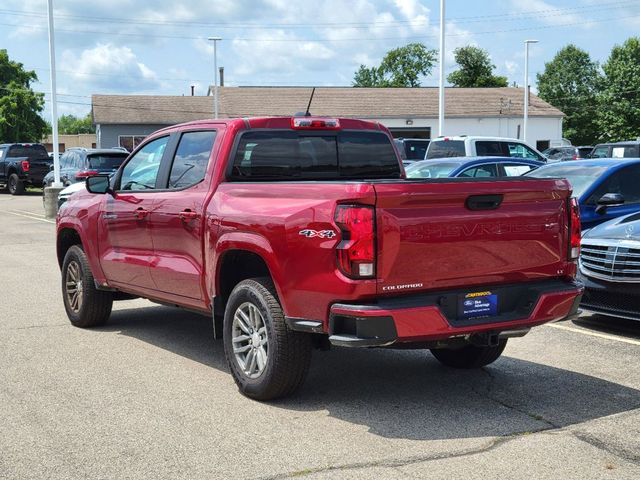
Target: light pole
215, 41
441, 81
54, 100
526, 88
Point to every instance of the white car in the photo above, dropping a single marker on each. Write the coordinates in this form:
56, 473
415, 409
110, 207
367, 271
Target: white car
468, 146
64, 195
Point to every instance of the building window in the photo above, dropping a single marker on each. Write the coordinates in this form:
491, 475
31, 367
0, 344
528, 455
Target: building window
130, 142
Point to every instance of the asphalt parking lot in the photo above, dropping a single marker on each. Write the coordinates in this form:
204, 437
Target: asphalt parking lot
149, 396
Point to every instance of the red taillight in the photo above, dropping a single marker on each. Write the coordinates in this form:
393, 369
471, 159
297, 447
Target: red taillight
574, 228
575, 157
357, 250
312, 123
86, 173
25, 165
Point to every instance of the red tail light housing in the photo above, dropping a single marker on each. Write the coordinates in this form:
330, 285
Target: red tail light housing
357, 250
575, 228
82, 174
25, 165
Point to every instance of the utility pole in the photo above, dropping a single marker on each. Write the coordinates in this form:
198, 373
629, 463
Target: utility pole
215, 41
526, 88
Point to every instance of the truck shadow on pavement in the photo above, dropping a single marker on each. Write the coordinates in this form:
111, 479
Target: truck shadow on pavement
407, 393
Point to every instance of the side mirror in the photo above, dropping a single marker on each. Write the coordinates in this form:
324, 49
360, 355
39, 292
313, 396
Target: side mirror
51, 167
98, 184
608, 200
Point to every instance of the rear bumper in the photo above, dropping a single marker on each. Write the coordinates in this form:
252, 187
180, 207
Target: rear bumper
427, 318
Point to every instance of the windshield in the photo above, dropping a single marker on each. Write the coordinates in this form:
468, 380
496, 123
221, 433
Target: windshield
581, 177
430, 170
106, 162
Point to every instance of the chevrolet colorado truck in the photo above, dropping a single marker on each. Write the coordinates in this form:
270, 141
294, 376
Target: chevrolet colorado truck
295, 233
23, 164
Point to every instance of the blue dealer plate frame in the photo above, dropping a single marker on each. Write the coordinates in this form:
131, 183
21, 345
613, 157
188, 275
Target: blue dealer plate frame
474, 305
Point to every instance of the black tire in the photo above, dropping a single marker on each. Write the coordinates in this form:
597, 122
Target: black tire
469, 356
289, 352
15, 185
93, 306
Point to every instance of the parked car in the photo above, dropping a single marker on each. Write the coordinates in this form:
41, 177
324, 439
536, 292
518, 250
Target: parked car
610, 268
562, 154
629, 149
23, 164
76, 164
303, 231
412, 148
605, 188
472, 167
468, 146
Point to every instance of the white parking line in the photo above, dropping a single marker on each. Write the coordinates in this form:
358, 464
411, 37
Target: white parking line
29, 216
615, 338
28, 212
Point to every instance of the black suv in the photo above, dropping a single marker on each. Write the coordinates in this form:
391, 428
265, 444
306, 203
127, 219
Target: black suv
23, 164
76, 164
630, 149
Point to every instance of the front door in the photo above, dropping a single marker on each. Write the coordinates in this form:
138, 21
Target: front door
126, 248
177, 220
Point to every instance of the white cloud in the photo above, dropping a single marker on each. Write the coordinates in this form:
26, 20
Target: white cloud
547, 13
109, 67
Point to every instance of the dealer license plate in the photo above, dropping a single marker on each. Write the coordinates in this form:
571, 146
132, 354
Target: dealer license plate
478, 304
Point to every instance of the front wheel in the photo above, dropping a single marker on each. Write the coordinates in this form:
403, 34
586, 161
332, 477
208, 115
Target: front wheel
267, 360
86, 306
16, 186
469, 356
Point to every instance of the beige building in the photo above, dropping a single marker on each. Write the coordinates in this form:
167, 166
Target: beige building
86, 140
124, 120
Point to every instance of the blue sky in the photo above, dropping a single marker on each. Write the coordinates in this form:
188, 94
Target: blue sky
160, 46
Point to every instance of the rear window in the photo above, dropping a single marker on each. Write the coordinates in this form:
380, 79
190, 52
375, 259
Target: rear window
289, 155
446, 148
106, 162
33, 152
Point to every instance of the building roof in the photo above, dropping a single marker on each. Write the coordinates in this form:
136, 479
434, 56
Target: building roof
376, 103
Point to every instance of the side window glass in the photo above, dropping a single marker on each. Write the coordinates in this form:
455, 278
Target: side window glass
481, 171
191, 159
522, 151
486, 148
141, 172
623, 182
515, 170
600, 152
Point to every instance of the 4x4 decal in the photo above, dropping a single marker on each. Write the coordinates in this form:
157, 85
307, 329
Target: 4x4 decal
307, 232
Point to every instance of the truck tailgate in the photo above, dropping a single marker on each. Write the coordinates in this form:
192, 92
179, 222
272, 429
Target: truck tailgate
467, 233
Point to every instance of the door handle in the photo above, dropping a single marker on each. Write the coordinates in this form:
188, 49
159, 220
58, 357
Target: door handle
188, 215
141, 213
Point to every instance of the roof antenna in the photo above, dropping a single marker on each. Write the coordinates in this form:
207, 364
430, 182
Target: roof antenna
307, 113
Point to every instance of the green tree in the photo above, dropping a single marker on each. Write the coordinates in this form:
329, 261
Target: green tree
20, 106
71, 125
619, 99
571, 82
400, 67
476, 69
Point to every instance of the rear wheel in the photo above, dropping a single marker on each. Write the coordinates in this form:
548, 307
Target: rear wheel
86, 306
15, 186
470, 356
267, 360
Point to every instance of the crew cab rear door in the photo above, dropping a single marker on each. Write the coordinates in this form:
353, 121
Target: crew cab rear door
460, 233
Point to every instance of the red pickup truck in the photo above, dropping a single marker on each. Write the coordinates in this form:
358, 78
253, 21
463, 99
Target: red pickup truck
295, 233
